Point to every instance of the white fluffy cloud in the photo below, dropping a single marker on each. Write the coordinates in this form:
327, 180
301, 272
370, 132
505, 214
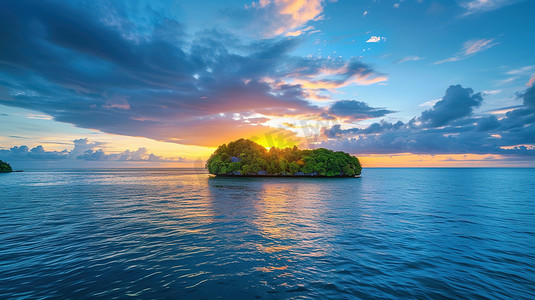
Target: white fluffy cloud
376, 39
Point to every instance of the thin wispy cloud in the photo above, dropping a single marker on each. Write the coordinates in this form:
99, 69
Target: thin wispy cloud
478, 6
521, 71
475, 46
410, 58
470, 48
492, 92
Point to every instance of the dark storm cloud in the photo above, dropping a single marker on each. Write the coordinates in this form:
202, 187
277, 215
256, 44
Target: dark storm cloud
529, 97
83, 150
460, 132
457, 103
382, 126
487, 123
153, 82
337, 130
357, 110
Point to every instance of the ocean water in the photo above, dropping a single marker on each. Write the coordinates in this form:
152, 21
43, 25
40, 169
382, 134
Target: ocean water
181, 234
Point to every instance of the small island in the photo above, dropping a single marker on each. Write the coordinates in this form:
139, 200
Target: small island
248, 159
5, 167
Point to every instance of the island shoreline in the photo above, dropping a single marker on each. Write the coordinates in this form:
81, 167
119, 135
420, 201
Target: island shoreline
286, 176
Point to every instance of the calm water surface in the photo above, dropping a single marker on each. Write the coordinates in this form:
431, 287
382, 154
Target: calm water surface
168, 233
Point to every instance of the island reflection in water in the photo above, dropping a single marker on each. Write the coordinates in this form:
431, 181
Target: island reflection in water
182, 234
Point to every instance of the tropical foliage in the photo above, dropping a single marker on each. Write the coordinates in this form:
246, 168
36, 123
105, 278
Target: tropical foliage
245, 157
5, 167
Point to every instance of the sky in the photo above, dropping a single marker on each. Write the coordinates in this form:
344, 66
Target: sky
398, 83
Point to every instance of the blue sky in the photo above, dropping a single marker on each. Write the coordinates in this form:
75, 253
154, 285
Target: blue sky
158, 82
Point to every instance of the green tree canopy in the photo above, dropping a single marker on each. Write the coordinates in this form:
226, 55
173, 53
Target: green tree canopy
5, 167
245, 157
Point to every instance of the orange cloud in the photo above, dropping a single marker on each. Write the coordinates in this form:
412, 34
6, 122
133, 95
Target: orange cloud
291, 16
337, 77
301, 11
358, 79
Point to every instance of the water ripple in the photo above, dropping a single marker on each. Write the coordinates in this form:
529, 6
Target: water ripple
424, 233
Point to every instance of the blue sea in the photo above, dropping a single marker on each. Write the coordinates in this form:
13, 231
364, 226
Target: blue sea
182, 234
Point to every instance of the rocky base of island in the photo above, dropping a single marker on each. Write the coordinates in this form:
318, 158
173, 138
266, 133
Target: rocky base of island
308, 175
